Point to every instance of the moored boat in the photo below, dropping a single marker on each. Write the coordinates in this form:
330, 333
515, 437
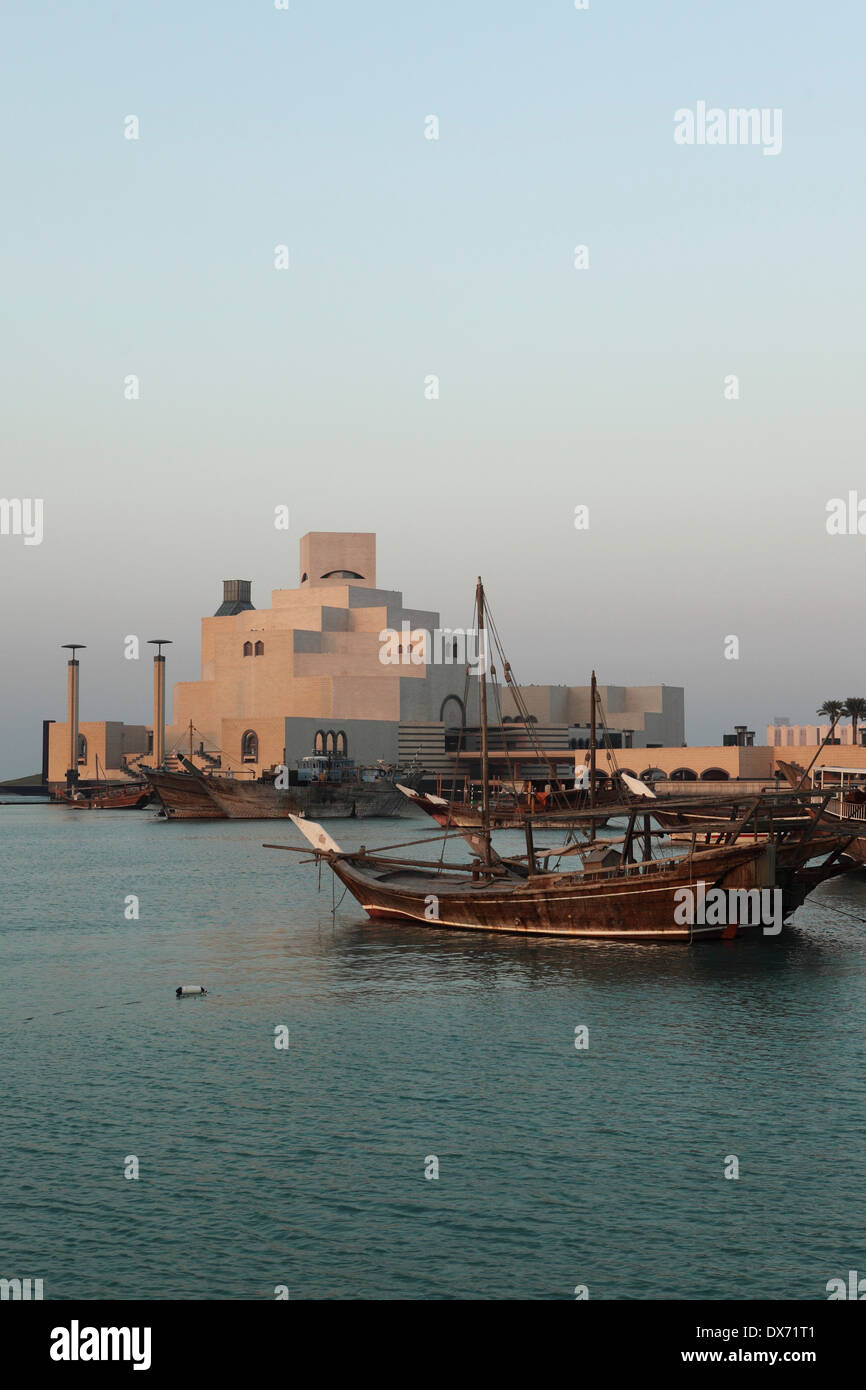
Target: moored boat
125, 797
631, 902
106, 795
184, 795
506, 812
325, 786
625, 890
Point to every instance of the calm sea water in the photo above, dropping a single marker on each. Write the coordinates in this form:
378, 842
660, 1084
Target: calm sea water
305, 1168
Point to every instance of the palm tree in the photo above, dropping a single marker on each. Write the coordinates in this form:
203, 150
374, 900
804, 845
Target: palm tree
832, 710
855, 708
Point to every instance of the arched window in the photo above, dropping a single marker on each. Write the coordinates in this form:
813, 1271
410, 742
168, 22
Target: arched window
342, 744
250, 747
451, 711
260, 649
342, 574
684, 774
652, 774
319, 741
330, 741
82, 749
248, 648
715, 774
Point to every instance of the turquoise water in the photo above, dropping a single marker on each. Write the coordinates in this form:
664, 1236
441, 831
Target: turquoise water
305, 1167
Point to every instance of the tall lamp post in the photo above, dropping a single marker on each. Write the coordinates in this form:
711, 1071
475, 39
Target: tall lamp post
72, 712
159, 699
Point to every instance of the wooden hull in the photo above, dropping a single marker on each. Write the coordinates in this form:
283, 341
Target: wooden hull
856, 827
681, 823
190, 796
121, 799
797, 872
184, 796
460, 815
321, 800
635, 906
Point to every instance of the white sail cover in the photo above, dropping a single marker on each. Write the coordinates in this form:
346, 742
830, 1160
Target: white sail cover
413, 795
639, 788
316, 834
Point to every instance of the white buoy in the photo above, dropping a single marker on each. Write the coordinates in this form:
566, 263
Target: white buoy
189, 989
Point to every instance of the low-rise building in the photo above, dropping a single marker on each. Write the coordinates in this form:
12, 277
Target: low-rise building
642, 716
786, 735
307, 674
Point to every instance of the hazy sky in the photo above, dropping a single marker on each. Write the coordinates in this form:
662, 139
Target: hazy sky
410, 257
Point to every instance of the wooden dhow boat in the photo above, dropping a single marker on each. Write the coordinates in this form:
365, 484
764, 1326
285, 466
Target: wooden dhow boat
107, 795
334, 788
124, 797
623, 902
623, 890
558, 808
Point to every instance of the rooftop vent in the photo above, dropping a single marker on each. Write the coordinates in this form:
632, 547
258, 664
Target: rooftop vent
236, 597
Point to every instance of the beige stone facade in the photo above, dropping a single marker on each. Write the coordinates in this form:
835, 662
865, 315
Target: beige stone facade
649, 714
274, 678
810, 735
712, 764
104, 747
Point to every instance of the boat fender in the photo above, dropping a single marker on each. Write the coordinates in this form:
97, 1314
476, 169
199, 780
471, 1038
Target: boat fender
183, 990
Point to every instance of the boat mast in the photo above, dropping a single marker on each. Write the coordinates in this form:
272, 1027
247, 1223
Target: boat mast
592, 699
485, 771
824, 743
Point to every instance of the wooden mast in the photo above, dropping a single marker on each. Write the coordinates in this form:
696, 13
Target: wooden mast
485, 771
592, 700
824, 743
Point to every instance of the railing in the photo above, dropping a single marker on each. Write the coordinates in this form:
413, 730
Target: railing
732, 786
847, 810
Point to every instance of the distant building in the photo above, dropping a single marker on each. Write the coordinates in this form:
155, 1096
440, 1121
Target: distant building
305, 674
804, 735
641, 716
742, 737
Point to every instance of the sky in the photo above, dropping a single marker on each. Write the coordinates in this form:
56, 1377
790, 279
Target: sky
605, 386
